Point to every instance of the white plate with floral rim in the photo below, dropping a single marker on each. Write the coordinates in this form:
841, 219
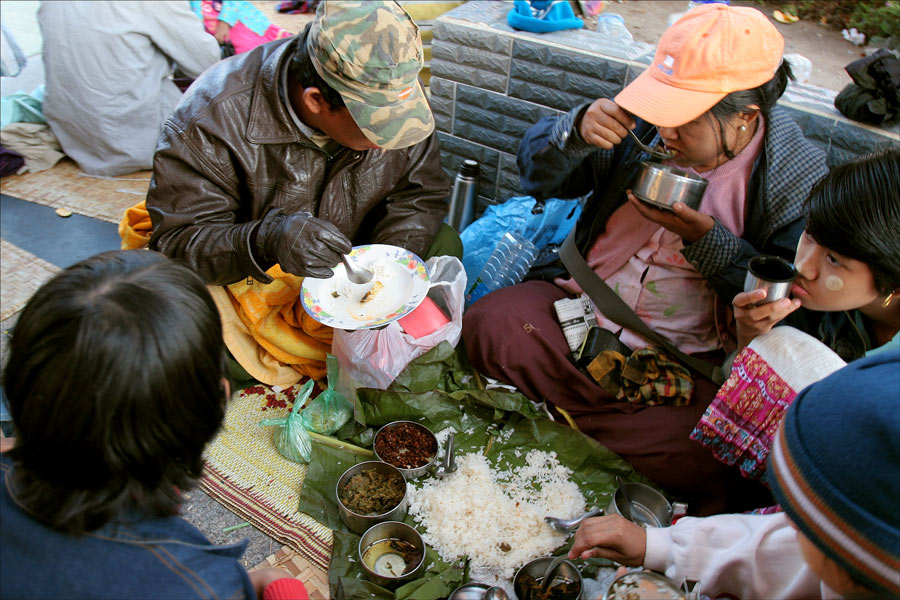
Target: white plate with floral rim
400, 284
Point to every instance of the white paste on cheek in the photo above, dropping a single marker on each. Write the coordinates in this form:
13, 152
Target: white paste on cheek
834, 283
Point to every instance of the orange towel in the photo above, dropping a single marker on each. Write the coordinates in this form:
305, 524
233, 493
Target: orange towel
135, 227
264, 326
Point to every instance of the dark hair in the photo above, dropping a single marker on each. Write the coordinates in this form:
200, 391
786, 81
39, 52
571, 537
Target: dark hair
115, 387
855, 211
736, 103
303, 73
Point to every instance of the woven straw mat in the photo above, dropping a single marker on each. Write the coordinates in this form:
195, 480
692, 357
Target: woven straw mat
314, 579
246, 473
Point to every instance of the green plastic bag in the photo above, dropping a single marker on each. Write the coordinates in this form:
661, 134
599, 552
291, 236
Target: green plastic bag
324, 415
330, 410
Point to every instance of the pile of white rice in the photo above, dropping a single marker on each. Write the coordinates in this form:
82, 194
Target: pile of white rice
496, 518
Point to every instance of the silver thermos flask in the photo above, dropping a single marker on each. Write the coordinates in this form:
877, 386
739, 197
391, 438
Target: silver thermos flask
464, 195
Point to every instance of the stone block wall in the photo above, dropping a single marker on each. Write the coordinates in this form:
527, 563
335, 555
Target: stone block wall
490, 83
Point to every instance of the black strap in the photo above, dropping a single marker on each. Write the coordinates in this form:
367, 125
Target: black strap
615, 309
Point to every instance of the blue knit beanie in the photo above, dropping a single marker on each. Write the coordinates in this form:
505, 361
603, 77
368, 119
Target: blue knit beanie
835, 468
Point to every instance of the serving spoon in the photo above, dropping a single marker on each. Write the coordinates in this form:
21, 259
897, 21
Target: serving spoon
550, 574
651, 151
570, 524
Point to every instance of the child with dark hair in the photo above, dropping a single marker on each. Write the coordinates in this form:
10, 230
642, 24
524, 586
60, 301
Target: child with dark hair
116, 380
847, 295
839, 534
848, 261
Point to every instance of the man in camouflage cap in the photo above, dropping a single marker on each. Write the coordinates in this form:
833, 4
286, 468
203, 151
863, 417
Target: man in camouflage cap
351, 46
295, 151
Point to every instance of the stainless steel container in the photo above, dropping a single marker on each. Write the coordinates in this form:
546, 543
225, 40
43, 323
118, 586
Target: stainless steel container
771, 273
662, 186
418, 471
377, 570
464, 195
567, 572
648, 506
469, 591
360, 523
643, 584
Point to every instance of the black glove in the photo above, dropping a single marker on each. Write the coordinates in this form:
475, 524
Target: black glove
301, 244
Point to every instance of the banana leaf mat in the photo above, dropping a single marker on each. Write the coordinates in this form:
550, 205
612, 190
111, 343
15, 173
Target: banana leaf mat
440, 390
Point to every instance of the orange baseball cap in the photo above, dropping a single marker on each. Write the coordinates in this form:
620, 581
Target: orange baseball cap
711, 51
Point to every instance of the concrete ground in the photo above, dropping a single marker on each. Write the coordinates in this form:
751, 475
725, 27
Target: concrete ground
31, 253
828, 51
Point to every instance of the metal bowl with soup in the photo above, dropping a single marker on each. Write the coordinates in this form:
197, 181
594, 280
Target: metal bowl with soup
391, 552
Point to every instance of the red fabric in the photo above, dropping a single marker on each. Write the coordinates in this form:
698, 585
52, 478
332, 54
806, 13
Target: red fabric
740, 423
512, 335
285, 589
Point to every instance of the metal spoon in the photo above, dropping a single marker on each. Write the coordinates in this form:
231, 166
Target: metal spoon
626, 509
550, 573
496, 593
355, 273
570, 524
651, 151
448, 465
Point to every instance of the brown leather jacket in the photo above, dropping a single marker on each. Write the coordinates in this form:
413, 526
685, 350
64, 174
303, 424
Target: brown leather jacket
231, 153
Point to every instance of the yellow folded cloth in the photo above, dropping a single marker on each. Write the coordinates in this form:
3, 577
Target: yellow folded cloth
135, 227
264, 326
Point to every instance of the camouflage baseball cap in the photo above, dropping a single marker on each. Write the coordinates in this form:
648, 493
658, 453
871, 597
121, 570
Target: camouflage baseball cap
371, 54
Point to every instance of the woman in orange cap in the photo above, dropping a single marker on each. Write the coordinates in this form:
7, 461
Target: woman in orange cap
711, 92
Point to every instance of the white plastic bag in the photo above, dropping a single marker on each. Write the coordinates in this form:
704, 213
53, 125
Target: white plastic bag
374, 357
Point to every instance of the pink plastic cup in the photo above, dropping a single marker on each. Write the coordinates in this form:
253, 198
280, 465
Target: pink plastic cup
425, 319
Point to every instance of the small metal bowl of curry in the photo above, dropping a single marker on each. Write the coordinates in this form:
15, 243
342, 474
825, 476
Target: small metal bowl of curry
370, 492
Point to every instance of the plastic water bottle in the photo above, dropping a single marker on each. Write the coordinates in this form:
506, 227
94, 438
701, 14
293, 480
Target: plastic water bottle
800, 66
507, 265
613, 26
696, 3
464, 195
693, 4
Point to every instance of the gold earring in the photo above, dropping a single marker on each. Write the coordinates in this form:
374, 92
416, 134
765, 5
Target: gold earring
887, 300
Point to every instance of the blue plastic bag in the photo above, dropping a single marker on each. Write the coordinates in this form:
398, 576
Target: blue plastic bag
548, 228
22, 108
543, 16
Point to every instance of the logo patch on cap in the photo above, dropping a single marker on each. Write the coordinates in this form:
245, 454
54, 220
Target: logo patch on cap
404, 94
666, 65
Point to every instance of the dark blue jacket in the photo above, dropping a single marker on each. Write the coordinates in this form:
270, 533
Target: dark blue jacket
151, 559
555, 162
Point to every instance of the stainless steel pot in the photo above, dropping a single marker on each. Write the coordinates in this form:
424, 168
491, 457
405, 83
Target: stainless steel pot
662, 186
357, 522
648, 506
644, 584
566, 572
418, 471
376, 568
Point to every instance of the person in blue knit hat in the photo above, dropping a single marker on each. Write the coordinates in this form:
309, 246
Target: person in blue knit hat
834, 469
